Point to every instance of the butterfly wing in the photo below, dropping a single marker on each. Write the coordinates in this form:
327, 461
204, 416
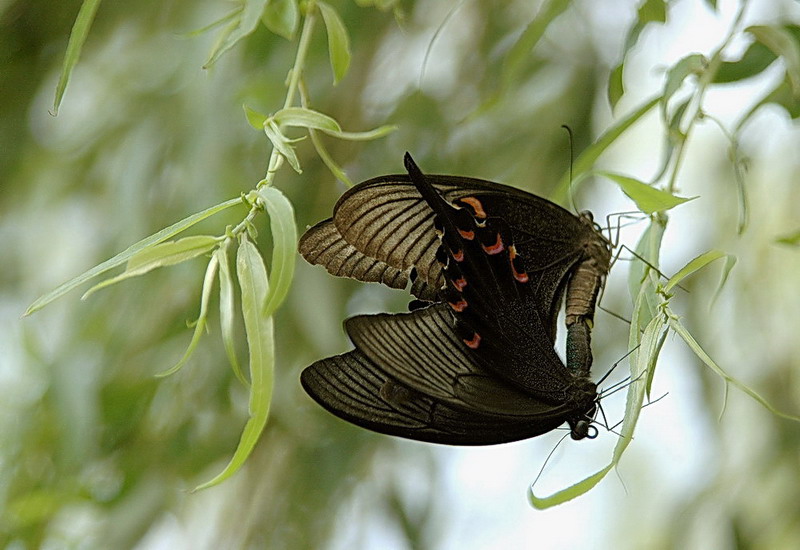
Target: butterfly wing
493, 298
411, 376
387, 225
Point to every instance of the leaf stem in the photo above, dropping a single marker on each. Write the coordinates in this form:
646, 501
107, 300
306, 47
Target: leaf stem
705, 80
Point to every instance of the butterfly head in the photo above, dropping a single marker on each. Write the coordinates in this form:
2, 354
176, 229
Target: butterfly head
582, 424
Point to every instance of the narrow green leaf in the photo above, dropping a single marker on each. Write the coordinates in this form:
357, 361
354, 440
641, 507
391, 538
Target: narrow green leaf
698, 263
305, 118
282, 17
676, 325
129, 252
689, 65
792, 239
242, 26
363, 136
520, 52
782, 95
338, 41
284, 245
641, 275
335, 169
254, 118
730, 261
675, 134
200, 324
160, 255
260, 339
226, 312
673, 137
573, 491
754, 61
635, 399
80, 30
173, 252
642, 315
643, 365
616, 85
739, 171
784, 45
650, 11
282, 144
653, 11
589, 156
647, 198
221, 21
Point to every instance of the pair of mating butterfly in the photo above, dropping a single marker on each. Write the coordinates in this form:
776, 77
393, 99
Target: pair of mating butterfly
473, 361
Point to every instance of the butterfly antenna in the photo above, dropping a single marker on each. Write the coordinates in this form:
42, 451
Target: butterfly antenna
651, 266
614, 314
621, 385
620, 360
549, 456
571, 162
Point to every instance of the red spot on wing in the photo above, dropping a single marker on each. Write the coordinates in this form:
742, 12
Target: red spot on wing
521, 277
458, 255
474, 342
468, 235
459, 306
496, 248
476, 205
460, 283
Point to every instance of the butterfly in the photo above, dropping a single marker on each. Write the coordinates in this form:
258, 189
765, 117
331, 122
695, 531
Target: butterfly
473, 363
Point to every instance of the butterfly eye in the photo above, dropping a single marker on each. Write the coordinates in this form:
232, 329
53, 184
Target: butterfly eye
580, 430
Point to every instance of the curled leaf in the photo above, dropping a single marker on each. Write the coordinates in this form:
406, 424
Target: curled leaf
260, 340
241, 26
80, 30
306, 118
200, 324
284, 246
282, 144
160, 255
129, 252
226, 312
338, 41
282, 17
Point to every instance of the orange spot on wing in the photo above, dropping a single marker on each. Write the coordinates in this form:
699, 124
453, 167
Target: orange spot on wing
459, 306
496, 248
460, 283
468, 235
512, 251
458, 255
474, 342
476, 205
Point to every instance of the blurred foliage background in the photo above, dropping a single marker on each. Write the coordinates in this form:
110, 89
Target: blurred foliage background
97, 453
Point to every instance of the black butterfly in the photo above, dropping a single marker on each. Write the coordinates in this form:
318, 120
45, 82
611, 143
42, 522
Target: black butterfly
476, 365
